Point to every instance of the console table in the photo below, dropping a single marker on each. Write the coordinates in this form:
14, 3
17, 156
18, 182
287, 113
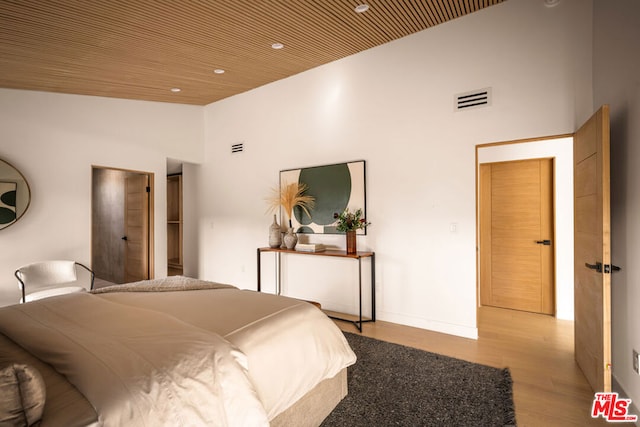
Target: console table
330, 253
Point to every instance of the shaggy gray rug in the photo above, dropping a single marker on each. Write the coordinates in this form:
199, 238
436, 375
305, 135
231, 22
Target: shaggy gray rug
394, 385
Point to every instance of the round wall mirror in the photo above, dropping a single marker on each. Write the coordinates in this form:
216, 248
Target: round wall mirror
15, 195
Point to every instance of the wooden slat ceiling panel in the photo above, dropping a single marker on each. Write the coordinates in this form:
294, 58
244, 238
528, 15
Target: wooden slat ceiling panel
140, 49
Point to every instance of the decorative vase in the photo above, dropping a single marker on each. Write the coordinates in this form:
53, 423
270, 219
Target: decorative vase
275, 234
351, 242
290, 239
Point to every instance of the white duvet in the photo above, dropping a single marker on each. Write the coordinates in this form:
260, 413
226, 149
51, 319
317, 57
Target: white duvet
138, 367
290, 345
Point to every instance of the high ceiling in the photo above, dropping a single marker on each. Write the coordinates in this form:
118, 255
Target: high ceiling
141, 49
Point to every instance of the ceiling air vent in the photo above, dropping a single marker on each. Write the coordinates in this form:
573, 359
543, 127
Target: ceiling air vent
474, 99
237, 148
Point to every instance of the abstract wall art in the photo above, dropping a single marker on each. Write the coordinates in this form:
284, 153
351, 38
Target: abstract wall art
334, 187
8, 212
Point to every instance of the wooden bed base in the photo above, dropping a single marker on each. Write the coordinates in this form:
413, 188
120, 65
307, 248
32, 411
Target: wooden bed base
316, 405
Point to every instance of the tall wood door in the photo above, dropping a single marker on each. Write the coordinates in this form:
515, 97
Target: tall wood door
592, 240
136, 227
516, 235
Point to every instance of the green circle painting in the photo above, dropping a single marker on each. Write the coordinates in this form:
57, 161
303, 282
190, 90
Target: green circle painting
331, 188
8, 214
9, 198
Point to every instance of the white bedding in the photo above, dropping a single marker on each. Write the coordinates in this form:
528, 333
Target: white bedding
291, 345
181, 351
137, 367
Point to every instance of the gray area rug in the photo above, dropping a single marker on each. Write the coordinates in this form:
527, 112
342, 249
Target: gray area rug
394, 385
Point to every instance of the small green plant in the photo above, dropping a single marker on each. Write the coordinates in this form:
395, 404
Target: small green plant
350, 221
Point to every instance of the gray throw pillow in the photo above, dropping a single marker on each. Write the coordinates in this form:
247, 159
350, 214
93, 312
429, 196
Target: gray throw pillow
22, 395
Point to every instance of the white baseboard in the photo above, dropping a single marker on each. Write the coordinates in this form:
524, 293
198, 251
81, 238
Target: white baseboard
418, 322
616, 387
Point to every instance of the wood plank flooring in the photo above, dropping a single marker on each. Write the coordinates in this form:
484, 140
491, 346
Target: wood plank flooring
549, 388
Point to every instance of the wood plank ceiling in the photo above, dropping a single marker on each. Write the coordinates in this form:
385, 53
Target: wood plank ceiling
141, 49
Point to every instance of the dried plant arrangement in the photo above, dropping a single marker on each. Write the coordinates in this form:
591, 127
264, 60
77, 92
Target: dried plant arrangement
288, 196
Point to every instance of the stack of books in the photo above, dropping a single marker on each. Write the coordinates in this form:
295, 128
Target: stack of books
310, 247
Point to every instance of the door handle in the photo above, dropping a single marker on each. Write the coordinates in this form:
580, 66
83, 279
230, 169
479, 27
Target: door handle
610, 268
597, 266
544, 242
124, 238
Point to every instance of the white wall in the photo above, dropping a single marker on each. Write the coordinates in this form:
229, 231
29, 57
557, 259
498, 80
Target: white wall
616, 82
54, 140
393, 107
561, 150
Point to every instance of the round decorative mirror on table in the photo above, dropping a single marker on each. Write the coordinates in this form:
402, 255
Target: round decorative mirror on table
15, 194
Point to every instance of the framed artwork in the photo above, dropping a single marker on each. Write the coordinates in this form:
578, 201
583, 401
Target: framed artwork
8, 211
334, 188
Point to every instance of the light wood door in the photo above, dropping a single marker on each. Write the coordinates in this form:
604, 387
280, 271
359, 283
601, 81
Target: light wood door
592, 240
136, 227
516, 235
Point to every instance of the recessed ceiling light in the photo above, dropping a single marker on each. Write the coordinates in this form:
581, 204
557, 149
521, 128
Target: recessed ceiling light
277, 46
218, 71
361, 8
551, 3
175, 89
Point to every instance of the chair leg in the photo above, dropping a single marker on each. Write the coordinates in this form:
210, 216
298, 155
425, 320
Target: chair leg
93, 275
17, 274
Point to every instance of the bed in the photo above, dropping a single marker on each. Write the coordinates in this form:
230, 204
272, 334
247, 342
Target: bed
175, 351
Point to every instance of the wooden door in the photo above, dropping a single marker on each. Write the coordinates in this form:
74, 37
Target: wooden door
592, 241
136, 227
516, 235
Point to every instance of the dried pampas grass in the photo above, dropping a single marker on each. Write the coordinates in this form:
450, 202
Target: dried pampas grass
289, 196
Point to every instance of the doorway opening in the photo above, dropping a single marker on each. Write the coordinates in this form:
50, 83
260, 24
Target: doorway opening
122, 225
517, 235
583, 276
175, 260
560, 149
175, 218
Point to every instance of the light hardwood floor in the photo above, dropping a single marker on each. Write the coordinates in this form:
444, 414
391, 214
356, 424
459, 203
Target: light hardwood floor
549, 389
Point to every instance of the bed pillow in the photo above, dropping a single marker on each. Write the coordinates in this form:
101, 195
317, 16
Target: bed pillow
22, 395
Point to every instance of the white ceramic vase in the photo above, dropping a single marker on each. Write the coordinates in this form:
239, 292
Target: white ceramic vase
275, 234
290, 239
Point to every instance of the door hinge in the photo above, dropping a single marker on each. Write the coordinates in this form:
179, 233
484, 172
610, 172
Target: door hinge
148, 189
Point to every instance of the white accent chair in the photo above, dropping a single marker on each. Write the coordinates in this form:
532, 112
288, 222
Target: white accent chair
50, 278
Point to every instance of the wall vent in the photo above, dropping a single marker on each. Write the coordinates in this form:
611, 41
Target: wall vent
474, 99
237, 148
